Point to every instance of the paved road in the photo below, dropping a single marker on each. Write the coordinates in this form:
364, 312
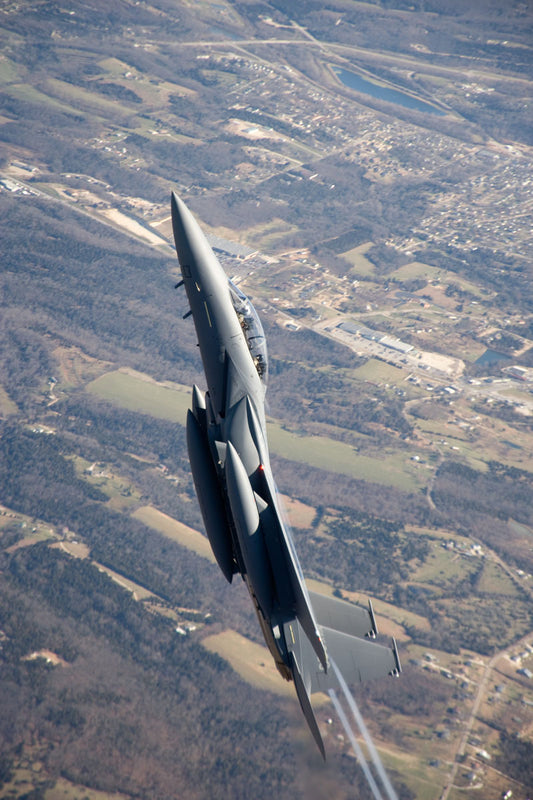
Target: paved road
480, 695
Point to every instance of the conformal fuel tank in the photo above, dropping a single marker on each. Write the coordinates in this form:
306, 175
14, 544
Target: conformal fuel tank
209, 496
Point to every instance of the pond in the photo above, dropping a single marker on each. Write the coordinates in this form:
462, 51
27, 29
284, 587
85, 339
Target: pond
490, 357
354, 81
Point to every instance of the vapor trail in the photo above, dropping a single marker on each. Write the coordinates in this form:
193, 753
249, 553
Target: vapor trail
355, 744
391, 794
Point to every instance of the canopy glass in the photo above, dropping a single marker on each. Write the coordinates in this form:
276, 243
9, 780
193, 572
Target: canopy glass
252, 328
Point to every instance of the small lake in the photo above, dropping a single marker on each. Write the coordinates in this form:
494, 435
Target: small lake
491, 357
354, 81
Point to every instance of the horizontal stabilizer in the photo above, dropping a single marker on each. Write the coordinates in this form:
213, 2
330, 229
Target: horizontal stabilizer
344, 617
358, 660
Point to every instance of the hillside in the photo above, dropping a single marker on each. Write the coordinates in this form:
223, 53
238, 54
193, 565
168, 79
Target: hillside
383, 230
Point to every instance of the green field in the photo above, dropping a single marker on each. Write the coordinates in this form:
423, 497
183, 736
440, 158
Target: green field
267, 235
440, 427
416, 269
521, 530
120, 491
8, 70
90, 101
444, 566
28, 94
440, 534
495, 581
117, 70
380, 371
453, 444
171, 401
138, 392
332, 456
357, 258
413, 769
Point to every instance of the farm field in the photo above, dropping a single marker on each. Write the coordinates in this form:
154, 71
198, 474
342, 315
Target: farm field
130, 668
176, 531
380, 371
137, 393
391, 470
362, 267
252, 661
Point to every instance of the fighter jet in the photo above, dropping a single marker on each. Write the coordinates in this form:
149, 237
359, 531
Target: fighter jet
241, 508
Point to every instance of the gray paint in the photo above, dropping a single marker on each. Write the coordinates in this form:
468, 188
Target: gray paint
228, 452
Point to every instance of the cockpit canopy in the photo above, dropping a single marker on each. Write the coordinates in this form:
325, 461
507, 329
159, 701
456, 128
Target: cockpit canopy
252, 329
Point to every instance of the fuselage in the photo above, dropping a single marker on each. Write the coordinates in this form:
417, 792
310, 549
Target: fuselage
228, 453
234, 360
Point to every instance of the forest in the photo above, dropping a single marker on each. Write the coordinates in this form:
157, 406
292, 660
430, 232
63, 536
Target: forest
111, 111
82, 611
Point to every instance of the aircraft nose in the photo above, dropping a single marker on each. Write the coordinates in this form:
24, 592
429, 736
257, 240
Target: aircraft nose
184, 228
199, 265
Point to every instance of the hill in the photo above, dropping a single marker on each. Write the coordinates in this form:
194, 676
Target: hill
388, 250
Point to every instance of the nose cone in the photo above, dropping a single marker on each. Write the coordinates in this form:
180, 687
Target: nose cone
188, 237
200, 268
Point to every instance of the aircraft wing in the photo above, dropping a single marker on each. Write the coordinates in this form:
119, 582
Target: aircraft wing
357, 660
342, 616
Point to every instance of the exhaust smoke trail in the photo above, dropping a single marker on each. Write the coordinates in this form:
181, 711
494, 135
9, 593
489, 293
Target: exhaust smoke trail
376, 760
365, 734
355, 744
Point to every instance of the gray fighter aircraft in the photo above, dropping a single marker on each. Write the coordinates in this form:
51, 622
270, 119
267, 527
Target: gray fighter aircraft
228, 453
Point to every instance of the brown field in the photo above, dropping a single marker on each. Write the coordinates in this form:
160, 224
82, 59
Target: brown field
300, 515
495, 581
7, 406
76, 367
320, 587
47, 655
65, 790
252, 661
138, 592
177, 531
75, 549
